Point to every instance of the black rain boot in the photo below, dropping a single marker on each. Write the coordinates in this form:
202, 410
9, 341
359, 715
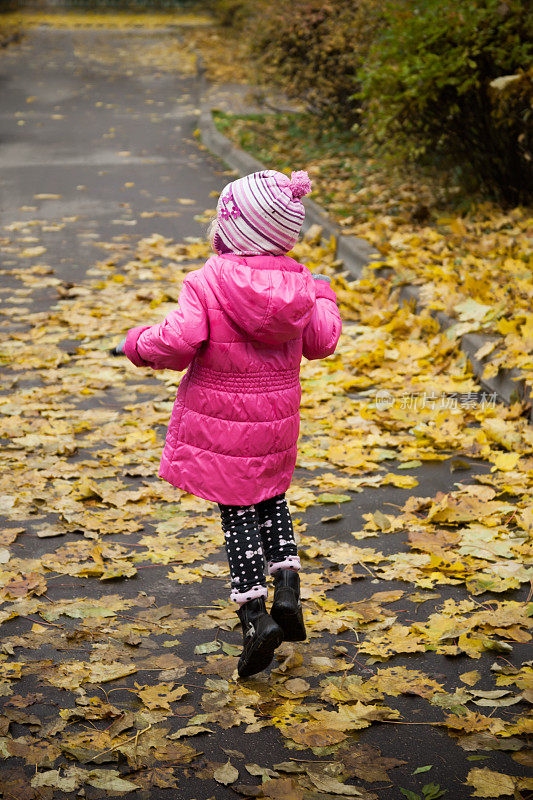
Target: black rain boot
287, 608
260, 635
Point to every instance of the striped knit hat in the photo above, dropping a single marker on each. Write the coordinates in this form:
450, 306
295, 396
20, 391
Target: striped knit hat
261, 213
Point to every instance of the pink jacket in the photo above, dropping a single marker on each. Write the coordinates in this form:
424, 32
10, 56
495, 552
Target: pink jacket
242, 326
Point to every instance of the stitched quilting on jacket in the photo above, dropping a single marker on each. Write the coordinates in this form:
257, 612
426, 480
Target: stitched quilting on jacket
241, 327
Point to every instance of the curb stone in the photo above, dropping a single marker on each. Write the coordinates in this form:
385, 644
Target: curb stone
508, 385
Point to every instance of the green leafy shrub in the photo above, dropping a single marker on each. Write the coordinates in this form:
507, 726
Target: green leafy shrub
313, 49
431, 90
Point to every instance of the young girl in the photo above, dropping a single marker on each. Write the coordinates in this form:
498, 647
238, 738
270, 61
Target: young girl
243, 322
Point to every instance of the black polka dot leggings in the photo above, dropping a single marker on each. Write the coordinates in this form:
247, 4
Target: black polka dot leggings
253, 535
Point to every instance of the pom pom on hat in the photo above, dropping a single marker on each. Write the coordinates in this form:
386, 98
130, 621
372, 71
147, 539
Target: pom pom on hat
300, 184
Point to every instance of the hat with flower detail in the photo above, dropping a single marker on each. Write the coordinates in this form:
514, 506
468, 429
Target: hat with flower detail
261, 213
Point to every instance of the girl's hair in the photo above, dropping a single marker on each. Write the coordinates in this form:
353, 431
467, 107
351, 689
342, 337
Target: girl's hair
211, 230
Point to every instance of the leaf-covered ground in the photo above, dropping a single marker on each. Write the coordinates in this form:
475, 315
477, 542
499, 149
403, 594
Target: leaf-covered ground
411, 500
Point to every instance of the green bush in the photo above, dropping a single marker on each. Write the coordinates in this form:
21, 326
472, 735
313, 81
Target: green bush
312, 49
431, 92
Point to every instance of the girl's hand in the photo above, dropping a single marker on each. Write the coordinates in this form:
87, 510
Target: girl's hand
118, 350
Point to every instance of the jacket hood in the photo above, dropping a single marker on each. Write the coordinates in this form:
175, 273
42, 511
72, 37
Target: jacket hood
271, 298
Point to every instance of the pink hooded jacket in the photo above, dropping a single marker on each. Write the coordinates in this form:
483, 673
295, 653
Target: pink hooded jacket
241, 326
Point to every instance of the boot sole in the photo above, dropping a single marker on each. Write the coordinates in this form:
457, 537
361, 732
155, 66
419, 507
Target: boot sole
292, 626
262, 655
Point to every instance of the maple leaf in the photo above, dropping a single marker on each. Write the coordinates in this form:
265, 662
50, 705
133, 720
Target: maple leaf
162, 777
367, 763
160, 695
354, 717
470, 722
488, 783
400, 680
23, 585
398, 639
313, 734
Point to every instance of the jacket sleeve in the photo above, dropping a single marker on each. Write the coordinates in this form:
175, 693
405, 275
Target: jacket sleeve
323, 330
171, 344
